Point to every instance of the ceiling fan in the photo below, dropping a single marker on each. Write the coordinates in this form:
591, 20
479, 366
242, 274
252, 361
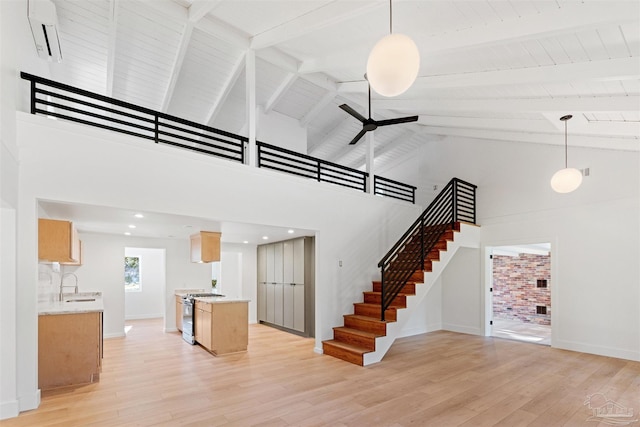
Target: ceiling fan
370, 124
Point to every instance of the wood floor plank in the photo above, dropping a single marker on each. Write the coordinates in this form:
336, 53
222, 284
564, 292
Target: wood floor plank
439, 379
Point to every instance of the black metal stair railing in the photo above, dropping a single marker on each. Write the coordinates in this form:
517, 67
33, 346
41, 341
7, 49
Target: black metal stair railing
456, 202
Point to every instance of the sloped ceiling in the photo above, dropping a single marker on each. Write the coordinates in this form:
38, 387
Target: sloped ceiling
494, 69
490, 69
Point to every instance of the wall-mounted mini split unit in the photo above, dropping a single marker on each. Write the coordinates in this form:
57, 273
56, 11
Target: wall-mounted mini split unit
44, 27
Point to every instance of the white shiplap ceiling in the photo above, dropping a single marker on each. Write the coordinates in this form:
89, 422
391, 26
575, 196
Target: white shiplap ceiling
490, 69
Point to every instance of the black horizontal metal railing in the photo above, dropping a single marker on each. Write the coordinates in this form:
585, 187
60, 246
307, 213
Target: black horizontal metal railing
456, 202
54, 99
283, 160
66, 102
390, 188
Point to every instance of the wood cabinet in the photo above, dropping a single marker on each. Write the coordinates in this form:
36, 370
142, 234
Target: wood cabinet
284, 269
58, 241
179, 308
69, 349
222, 328
205, 246
202, 324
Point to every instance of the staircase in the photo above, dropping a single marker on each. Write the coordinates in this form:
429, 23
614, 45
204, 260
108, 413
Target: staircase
408, 272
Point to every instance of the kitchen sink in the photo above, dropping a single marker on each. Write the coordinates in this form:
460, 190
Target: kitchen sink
80, 300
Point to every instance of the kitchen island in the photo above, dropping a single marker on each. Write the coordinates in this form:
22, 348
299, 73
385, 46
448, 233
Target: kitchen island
221, 324
70, 340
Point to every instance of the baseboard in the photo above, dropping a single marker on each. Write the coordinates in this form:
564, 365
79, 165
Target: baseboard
165, 330
115, 335
9, 409
29, 402
420, 330
462, 329
596, 349
318, 350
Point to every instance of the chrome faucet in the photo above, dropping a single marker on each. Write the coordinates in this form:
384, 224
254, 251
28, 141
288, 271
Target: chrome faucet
62, 285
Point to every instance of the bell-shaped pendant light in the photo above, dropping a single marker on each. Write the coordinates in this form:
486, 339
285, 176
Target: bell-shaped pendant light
393, 63
568, 179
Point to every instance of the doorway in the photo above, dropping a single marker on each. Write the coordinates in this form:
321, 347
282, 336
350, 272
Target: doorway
520, 297
145, 283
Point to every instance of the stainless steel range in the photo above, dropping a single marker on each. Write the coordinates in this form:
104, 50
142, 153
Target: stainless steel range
188, 315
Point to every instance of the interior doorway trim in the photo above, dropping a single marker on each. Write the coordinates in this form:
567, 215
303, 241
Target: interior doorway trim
487, 280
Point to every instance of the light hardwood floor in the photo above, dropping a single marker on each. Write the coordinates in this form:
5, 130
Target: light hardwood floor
436, 379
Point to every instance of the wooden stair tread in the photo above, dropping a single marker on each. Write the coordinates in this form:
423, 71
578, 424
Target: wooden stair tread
367, 318
369, 304
345, 346
364, 334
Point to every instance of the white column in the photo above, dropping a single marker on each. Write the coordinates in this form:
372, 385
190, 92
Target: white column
369, 159
250, 71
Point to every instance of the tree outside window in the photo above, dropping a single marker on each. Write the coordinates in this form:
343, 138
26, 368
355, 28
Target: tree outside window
132, 274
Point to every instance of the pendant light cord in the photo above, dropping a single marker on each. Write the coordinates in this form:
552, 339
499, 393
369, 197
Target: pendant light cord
390, 17
566, 150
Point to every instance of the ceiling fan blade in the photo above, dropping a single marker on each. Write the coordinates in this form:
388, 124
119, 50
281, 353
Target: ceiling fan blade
353, 112
358, 136
398, 120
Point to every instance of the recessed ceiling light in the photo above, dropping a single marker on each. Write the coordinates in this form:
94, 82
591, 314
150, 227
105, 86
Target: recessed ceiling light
290, 231
127, 233
245, 242
139, 215
132, 226
265, 237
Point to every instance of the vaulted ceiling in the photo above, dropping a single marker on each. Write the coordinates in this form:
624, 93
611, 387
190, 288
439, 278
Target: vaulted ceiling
490, 69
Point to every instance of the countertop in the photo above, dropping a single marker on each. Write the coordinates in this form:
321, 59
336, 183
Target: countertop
83, 302
183, 292
220, 300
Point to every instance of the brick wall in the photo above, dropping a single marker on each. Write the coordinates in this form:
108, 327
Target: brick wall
515, 292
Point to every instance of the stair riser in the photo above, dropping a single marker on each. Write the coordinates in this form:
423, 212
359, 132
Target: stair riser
342, 354
399, 301
389, 314
409, 288
378, 328
349, 338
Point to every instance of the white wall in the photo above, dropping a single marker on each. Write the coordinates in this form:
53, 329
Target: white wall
354, 227
462, 309
149, 302
595, 231
103, 270
280, 130
239, 275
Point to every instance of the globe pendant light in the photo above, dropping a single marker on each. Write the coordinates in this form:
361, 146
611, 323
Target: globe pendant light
568, 179
393, 63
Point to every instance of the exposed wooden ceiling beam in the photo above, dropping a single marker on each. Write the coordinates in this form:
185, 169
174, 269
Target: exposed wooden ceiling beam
280, 91
605, 143
605, 70
547, 104
111, 49
329, 14
228, 86
317, 108
566, 19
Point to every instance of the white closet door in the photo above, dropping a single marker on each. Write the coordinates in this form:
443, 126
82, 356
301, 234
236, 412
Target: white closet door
288, 262
262, 264
298, 261
278, 249
270, 308
288, 315
278, 308
298, 308
270, 252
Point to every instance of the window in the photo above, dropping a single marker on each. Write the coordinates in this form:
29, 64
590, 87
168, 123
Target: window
132, 274
541, 283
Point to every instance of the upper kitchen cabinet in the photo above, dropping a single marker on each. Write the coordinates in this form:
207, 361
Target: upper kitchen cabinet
205, 246
58, 242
